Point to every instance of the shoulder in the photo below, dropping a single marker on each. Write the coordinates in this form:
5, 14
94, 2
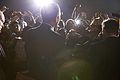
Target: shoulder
105, 45
29, 32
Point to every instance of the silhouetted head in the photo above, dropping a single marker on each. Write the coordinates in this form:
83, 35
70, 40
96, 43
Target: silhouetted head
110, 26
51, 13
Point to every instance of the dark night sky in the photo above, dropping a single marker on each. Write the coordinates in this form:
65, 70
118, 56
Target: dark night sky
67, 5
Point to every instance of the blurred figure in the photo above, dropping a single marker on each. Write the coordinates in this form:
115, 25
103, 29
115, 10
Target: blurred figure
72, 38
104, 54
70, 24
105, 16
82, 23
73, 34
8, 42
5, 40
38, 20
14, 25
61, 28
76, 11
2, 16
61, 24
43, 44
2, 60
110, 28
22, 22
95, 26
30, 20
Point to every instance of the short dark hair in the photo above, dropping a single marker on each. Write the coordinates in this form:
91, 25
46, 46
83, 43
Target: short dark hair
50, 12
111, 25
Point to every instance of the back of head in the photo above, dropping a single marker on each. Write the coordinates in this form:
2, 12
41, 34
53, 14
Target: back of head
111, 26
3, 8
70, 24
50, 12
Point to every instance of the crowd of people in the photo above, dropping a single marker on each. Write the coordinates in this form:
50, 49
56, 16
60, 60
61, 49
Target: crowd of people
46, 47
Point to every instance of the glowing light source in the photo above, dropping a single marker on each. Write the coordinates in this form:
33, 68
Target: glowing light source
78, 21
42, 3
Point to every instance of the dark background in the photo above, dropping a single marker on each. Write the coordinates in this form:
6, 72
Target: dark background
67, 6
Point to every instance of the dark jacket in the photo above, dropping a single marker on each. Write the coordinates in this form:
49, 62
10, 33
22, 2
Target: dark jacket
2, 62
105, 58
42, 46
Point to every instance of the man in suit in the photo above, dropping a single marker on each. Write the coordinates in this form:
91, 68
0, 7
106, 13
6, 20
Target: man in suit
43, 44
105, 54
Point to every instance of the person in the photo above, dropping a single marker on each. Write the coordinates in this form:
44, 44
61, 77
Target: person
70, 24
30, 20
104, 54
42, 45
2, 16
2, 60
8, 42
76, 11
61, 28
95, 28
14, 24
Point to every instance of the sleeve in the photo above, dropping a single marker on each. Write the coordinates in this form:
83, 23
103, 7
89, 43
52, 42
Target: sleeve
2, 53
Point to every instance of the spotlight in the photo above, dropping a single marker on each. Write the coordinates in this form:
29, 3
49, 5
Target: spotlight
42, 3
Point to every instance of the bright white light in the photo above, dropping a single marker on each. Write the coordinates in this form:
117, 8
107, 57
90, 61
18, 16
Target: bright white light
78, 21
42, 3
